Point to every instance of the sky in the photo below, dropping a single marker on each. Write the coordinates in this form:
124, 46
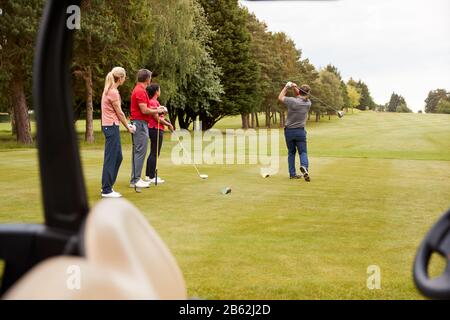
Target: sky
400, 46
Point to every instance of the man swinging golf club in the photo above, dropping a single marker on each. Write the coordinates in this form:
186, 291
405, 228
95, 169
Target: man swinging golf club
294, 130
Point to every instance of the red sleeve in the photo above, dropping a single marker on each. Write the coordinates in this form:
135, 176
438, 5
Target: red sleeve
141, 97
153, 104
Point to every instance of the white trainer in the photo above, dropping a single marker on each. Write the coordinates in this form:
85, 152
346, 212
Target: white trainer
159, 180
147, 179
140, 184
112, 194
118, 193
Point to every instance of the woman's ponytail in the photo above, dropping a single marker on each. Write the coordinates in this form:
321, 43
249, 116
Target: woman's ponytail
109, 81
112, 77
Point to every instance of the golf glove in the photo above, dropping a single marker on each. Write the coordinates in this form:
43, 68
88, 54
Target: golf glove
132, 127
289, 84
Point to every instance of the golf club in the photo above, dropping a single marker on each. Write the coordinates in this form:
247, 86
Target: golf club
136, 189
202, 176
339, 113
157, 155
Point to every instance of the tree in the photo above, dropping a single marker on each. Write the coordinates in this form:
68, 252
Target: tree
396, 104
103, 42
433, 99
181, 56
289, 67
365, 100
18, 27
175, 50
344, 92
262, 54
203, 89
443, 106
328, 89
381, 107
278, 61
354, 96
231, 52
403, 108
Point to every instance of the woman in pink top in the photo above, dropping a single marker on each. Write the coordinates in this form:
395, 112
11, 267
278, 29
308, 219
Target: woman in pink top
112, 116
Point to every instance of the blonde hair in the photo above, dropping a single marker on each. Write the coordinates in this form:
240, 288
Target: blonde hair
112, 77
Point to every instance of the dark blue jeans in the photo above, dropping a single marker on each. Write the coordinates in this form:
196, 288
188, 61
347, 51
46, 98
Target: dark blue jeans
113, 157
296, 141
151, 160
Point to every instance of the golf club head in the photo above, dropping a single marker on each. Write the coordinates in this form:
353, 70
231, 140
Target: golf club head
265, 175
340, 114
203, 176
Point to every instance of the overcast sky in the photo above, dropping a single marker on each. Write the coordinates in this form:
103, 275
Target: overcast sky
392, 45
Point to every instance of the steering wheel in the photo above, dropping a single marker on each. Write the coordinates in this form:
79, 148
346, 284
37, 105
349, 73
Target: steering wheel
436, 241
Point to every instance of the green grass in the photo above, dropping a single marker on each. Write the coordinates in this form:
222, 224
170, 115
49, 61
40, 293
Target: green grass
379, 181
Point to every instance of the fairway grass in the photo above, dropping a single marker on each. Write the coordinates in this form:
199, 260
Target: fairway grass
379, 181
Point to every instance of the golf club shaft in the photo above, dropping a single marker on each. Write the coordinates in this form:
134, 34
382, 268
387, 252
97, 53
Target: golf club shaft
184, 150
320, 100
330, 107
132, 159
157, 154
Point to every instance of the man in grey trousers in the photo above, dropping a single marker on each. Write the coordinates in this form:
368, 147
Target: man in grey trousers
140, 115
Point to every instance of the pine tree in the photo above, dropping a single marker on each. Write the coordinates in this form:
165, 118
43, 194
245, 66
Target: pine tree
397, 104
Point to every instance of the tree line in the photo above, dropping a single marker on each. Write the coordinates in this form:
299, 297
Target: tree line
212, 58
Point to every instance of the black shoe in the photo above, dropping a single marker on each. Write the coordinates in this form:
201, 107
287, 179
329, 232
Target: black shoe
295, 177
305, 173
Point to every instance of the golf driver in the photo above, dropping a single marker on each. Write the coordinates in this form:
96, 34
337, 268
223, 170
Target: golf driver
202, 176
157, 148
339, 113
157, 155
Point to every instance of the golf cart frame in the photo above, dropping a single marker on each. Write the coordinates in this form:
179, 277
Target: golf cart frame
63, 191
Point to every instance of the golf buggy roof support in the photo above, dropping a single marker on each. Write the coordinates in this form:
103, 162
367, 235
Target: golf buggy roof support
63, 191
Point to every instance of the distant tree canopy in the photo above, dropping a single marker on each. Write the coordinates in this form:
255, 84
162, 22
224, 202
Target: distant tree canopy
397, 104
434, 98
365, 101
211, 58
327, 87
353, 95
443, 106
343, 86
